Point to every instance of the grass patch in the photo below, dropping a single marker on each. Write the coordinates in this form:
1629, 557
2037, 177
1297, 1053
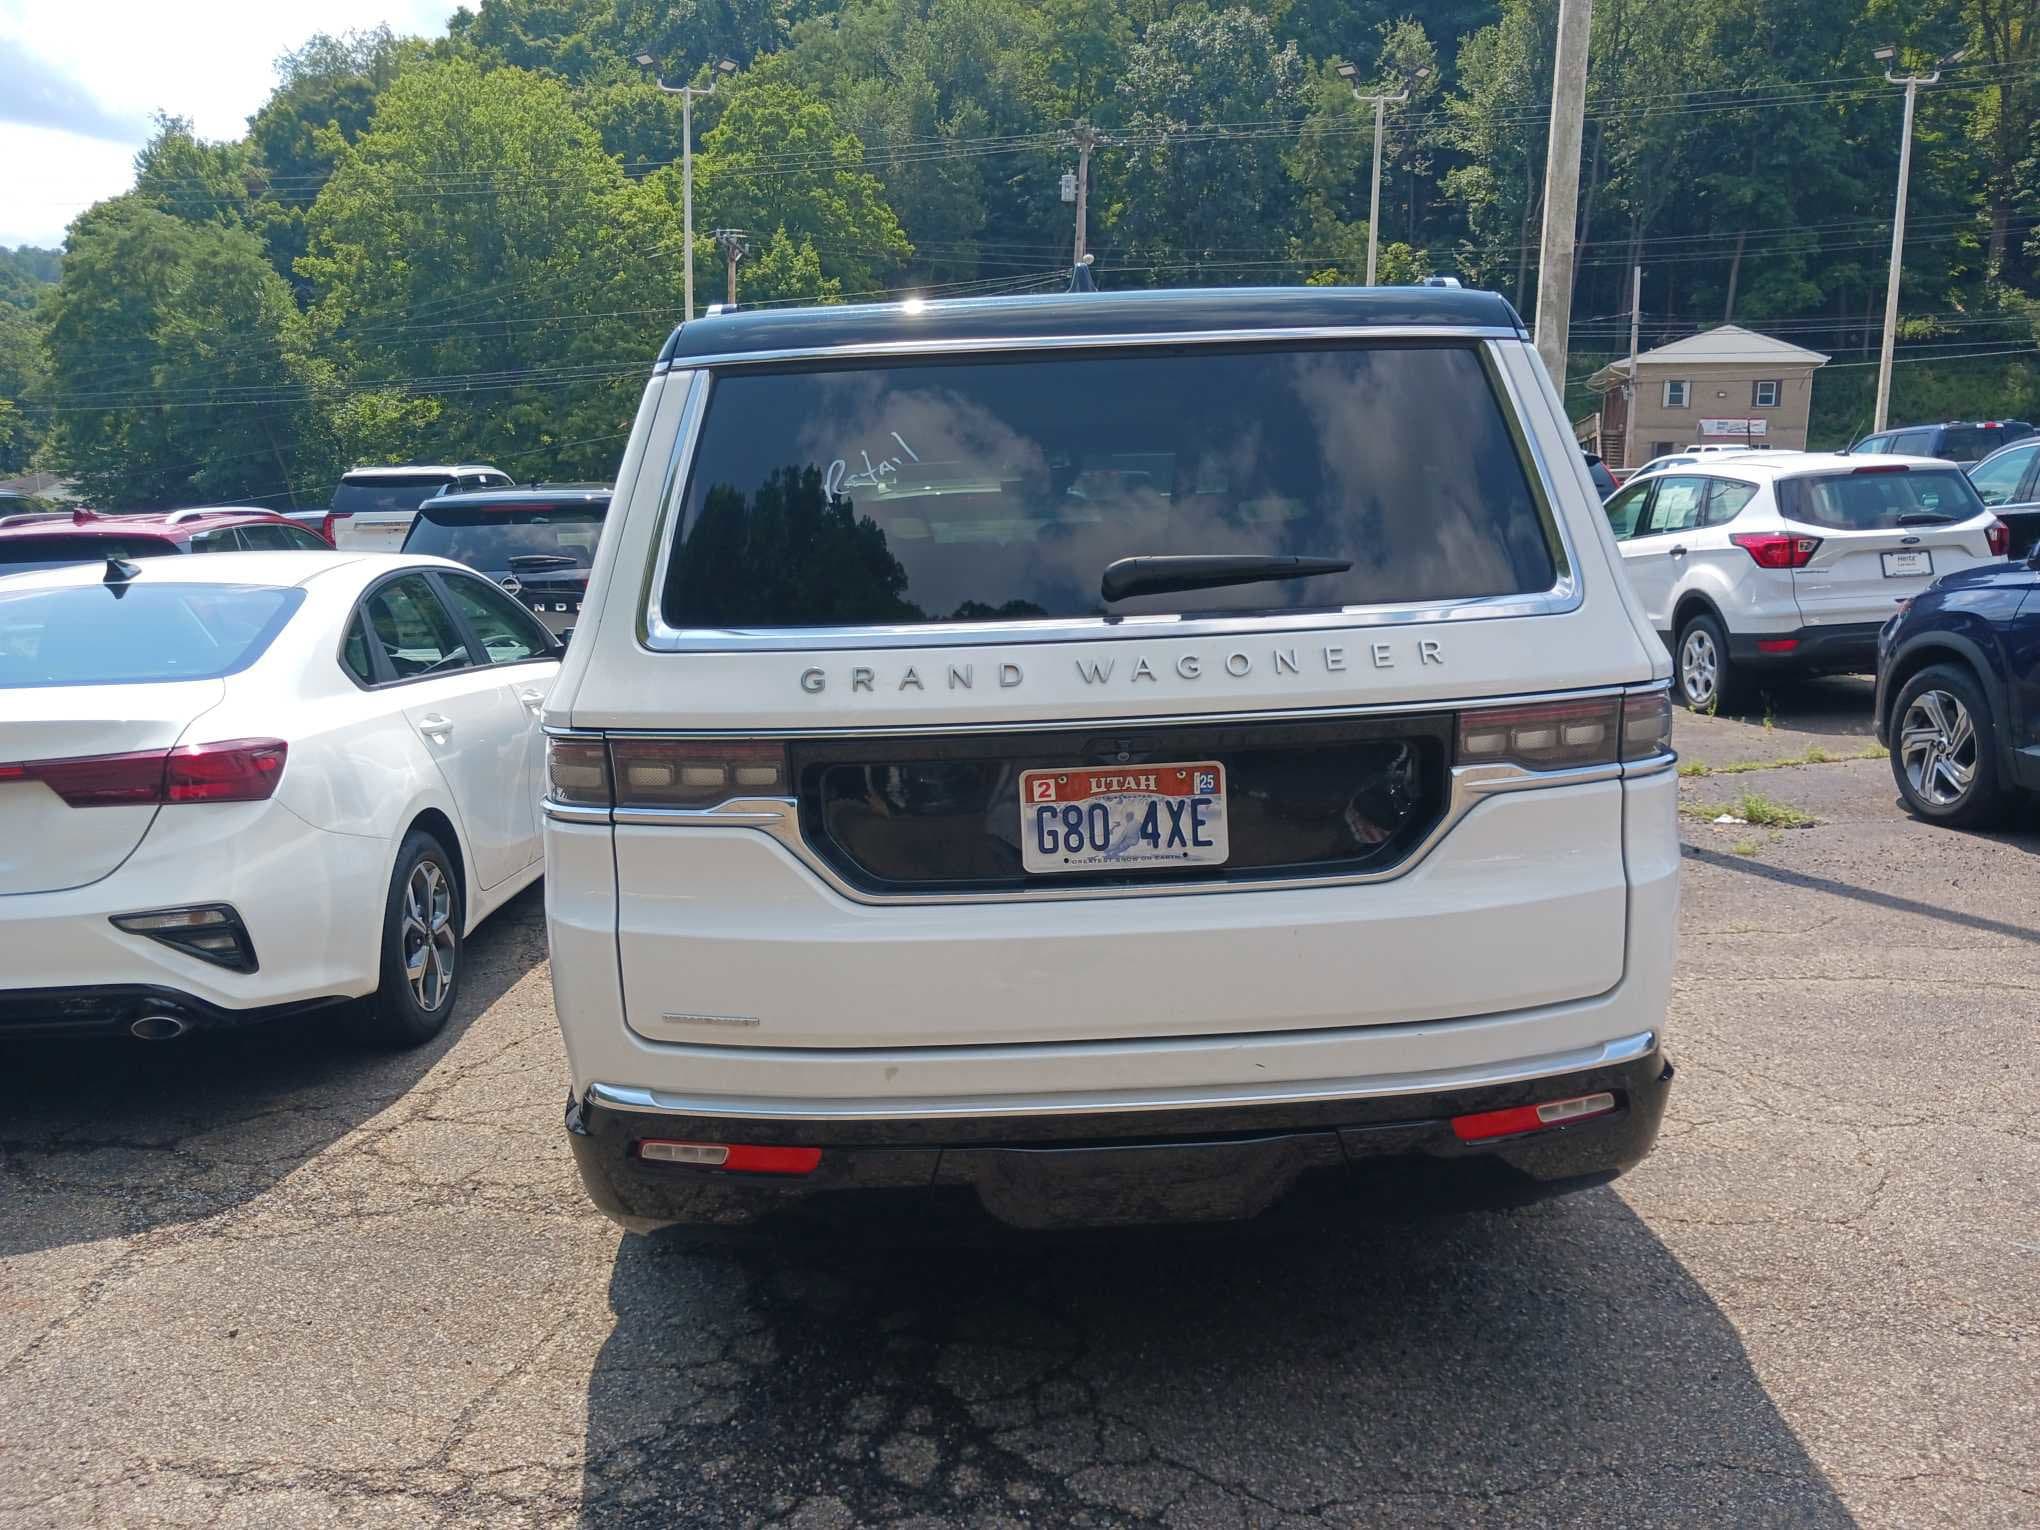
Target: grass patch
1813, 756
1745, 847
1752, 808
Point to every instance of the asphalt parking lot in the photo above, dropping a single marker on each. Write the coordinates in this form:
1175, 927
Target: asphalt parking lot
268, 1280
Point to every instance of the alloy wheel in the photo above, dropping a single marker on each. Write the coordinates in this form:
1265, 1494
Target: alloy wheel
429, 942
1699, 666
1937, 748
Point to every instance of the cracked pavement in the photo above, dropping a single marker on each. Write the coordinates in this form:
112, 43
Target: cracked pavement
267, 1279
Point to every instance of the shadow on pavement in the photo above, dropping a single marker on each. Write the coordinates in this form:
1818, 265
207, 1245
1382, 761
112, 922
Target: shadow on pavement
109, 1138
1837, 706
1808, 882
1549, 1365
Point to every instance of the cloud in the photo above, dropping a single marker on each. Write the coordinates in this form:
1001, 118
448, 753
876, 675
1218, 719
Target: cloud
40, 95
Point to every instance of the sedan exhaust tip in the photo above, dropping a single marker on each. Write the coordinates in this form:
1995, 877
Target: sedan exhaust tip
159, 1027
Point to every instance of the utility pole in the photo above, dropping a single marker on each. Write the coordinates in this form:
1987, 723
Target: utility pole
1084, 138
1380, 103
1562, 186
687, 93
731, 242
1635, 390
1912, 83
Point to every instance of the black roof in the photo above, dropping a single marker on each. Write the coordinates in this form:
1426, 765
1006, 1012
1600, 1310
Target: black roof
565, 494
1161, 313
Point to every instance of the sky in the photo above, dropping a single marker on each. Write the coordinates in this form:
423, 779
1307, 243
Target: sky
80, 78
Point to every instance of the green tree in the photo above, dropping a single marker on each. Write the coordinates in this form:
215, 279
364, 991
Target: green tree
777, 166
1202, 190
170, 375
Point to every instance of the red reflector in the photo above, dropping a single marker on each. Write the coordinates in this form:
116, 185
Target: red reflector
739, 1157
1530, 1118
1776, 645
239, 770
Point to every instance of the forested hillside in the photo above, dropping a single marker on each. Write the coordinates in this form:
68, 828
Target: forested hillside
469, 247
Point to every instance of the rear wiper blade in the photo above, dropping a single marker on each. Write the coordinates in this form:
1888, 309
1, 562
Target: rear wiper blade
1924, 518
1157, 574
544, 560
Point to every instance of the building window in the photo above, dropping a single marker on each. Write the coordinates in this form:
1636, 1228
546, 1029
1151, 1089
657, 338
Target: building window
1675, 394
1764, 395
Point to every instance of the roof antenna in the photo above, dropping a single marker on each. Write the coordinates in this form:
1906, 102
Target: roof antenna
118, 573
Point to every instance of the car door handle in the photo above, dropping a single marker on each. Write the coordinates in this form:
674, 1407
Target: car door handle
1675, 552
433, 726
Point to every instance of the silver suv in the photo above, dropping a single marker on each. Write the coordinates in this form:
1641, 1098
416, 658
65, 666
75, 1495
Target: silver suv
1108, 757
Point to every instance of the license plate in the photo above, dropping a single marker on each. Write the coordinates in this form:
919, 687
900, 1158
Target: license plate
1123, 817
1907, 565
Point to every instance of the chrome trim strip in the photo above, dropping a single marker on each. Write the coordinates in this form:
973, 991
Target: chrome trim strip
1470, 785
572, 812
1566, 593
982, 345
1655, 765
636, 1098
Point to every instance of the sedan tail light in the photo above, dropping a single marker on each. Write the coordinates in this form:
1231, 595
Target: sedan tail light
1774, 549
238, 770
1998, 536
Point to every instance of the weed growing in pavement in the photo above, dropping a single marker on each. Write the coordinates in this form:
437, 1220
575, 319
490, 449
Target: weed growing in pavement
1814, 756
1752, 808
1744, 847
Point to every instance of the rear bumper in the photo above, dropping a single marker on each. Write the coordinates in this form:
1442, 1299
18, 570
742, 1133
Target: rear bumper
1160, 1166
1850, 646
109, 1009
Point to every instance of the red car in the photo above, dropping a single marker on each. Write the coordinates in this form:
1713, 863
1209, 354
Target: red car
85, 536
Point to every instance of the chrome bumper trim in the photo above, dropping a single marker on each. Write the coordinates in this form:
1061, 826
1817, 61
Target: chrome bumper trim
627, 1097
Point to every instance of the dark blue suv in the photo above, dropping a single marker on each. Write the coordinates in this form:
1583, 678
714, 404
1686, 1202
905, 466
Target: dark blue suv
1958, 694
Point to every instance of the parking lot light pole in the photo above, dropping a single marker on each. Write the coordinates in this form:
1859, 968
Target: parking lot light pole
687, 93
1380, 102
1912, 83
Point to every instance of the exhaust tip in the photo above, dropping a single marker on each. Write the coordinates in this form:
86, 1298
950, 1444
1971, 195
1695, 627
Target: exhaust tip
159, 1027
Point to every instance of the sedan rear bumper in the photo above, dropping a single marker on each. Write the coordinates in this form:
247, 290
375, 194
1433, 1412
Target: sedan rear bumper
1162, 1166
111, 1009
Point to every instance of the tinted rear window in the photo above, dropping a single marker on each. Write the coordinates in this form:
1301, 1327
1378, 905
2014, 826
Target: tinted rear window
505, 539
93, 635
1001, 490
54, 551
1972, 443
1877, 499
357, 496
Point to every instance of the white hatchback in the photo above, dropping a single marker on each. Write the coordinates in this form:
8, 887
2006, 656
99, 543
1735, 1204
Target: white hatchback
1112, 756
241, 787
1752, 565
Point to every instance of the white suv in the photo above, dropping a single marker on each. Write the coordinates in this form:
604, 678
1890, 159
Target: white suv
1749, 565
1110, 756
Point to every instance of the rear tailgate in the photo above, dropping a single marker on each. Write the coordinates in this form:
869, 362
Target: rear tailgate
372, 530
1880, 541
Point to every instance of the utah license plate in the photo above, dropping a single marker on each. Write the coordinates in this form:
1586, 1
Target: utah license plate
1123, 817
1907, 565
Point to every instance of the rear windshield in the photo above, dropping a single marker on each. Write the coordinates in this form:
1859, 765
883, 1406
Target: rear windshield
503, 539
1971, 443
20, 554
1879, 499
357, 496
97, 634
1002, 490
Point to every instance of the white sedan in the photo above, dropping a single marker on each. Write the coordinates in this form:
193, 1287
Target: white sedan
234, 788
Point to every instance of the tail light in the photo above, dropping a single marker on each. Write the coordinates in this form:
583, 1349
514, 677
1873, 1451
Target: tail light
1646, 724
1774, 549
212, 932
332, 517
1884, 467
1998, 537
1562, 735
238, 770
663, 772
